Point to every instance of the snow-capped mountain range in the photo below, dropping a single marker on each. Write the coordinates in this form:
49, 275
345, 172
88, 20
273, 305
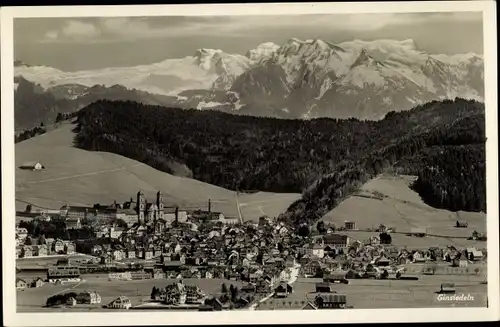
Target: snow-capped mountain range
300, 79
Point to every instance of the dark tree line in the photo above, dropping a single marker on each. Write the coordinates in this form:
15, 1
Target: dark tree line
61, 116
55, 228
29, 133
454, 178
324, 159
60, 299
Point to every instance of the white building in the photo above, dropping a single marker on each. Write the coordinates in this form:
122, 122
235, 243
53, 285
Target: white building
32, 166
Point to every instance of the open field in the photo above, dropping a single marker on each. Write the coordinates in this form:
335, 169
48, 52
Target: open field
370, 294
32, 299
402, 208
80, 177
44, 262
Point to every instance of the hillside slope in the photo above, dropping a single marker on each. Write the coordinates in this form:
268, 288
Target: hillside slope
389, 200
80, 177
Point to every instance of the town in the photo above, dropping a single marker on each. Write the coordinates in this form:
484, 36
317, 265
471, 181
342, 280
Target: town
203, 260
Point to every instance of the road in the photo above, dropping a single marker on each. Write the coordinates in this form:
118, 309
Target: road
81, 175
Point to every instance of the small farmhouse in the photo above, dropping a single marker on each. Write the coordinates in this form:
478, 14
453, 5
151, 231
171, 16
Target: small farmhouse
283, 290
21, 283
32, 166
121, 302
447, 288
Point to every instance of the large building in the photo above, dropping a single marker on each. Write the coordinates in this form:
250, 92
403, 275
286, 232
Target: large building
149, 212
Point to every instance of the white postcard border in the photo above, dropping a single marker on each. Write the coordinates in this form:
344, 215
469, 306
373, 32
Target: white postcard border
11, 318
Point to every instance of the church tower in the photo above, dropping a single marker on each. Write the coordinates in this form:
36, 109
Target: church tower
159, 204
140, 207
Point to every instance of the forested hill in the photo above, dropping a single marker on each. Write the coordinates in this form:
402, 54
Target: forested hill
323, 158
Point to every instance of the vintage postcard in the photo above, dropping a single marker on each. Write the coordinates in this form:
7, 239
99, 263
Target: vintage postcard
225, 164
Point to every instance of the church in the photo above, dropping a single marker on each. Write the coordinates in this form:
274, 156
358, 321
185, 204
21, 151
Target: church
155, 214
148, 213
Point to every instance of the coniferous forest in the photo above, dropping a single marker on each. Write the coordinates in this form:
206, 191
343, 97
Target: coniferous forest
442, 142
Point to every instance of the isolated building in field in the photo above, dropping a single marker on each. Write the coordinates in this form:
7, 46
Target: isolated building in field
34, 165
350, 225
461, 223
447, 288
330, 301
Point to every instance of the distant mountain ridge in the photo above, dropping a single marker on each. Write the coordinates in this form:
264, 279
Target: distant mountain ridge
299, 79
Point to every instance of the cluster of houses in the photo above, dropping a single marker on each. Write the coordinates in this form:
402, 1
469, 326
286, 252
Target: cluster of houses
41, 247
184, 244
179, 294
23, 283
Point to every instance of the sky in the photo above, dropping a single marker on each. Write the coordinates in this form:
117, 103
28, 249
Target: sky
72, 44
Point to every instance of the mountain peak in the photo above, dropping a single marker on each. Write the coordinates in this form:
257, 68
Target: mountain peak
262, 51
204, 52
387, 44
363, 58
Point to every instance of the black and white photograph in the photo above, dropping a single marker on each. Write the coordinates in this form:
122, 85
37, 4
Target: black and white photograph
161, 161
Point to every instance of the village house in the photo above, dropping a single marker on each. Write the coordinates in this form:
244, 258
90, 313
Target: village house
118, 254
330, 300
71, 301
69, 247
158, 274
148, 254
283, 290
73, 223
309, 306
474, 254
26, 252
22, 233
121, 302
32, 165
350, 225
96, 250
88, 298
175, 293
230, 220
130, 252
115, 232
418, 256
382, 228
336, 240
41, 250
58, 246
38, 282
312, 268
171, 215
21, 283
